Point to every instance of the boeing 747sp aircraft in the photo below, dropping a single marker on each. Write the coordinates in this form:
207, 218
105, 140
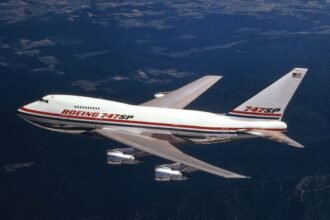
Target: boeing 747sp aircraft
156, 126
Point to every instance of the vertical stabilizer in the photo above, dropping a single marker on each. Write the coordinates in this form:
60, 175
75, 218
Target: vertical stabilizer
271, 102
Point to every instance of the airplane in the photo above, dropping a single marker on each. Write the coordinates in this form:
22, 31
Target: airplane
159, 126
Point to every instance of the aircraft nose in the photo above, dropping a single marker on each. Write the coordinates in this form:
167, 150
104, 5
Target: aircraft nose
21, 109
25, 111
25, 108
20, 112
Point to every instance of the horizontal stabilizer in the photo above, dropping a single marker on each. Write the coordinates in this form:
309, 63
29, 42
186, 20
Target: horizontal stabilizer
275, 136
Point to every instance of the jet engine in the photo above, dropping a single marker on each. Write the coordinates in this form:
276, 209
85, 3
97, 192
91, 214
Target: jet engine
123, 156
168, 172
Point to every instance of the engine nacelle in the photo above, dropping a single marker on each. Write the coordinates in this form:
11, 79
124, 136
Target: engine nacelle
169, 172
121, 156
160, 94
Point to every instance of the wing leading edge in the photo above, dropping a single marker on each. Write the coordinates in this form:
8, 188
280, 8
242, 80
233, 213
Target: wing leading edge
183, 96
165, 150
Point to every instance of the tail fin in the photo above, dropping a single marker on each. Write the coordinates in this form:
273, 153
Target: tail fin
271, 102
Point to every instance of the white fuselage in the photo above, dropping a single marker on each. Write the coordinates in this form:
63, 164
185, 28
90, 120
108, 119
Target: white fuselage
77, 114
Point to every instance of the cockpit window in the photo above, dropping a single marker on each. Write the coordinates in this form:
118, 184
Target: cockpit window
43, 100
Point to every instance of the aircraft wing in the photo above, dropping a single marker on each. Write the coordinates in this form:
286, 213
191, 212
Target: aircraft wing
275, 136
163, 149
181, 97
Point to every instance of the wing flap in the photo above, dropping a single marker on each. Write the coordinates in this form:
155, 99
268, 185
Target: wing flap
275, 136
165, 150
183, 96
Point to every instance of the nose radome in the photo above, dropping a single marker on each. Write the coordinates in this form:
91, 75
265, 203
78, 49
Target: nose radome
21, 110
27, 106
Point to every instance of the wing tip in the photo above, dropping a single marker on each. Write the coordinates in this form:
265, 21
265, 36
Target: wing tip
298, 146
213, 76
238, 176
301, 69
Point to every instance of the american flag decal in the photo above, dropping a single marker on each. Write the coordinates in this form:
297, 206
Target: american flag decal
296, 75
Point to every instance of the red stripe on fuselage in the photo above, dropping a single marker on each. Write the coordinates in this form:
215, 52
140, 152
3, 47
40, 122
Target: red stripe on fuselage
256, 113
135, 122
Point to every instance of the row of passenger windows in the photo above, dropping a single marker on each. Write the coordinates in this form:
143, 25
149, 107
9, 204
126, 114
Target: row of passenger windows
87, 107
